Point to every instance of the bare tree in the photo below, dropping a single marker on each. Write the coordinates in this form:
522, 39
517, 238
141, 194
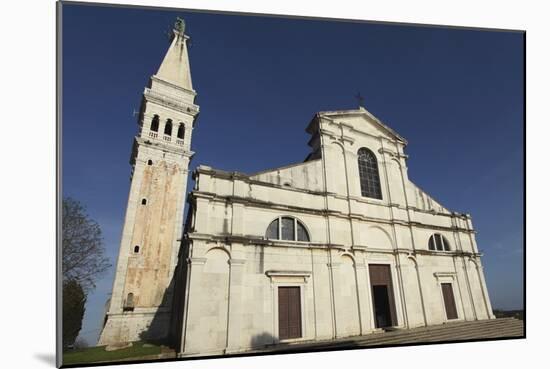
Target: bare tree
83, 257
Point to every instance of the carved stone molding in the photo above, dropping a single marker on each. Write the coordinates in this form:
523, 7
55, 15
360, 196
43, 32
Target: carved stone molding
281, 276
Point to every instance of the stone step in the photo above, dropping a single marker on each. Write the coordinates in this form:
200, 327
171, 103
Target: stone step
464, 331
479, 324
466, 336
494, 328
456, 328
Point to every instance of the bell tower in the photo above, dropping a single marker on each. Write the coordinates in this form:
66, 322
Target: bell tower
141, 300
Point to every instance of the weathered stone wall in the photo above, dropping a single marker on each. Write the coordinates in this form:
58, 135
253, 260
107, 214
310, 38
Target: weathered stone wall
306, 176
149, 269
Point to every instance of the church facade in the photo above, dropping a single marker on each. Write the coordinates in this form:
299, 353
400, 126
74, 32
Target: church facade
341, 244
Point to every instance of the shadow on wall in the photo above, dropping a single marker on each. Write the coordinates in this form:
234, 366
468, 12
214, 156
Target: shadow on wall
262, 340
166, 326
160, 331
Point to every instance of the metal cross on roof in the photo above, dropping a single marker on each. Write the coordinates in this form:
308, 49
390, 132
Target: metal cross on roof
360, 99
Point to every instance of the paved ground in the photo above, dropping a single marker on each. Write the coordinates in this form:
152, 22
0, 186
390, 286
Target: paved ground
458, 331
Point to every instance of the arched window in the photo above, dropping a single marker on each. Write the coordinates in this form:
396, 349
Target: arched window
301, 233
368, 174
129, 303
288, 229
155, 124
438, 242
181, 131
168, 128
143, 201
136, 249
149, 162
273, 230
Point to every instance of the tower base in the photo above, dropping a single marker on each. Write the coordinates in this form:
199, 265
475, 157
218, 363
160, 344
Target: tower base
131, 327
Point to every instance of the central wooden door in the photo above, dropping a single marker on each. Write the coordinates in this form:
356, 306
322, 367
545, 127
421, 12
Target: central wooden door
449, 300
290, 313
382, 295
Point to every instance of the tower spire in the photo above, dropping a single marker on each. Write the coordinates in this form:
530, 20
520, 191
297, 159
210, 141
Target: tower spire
175, 68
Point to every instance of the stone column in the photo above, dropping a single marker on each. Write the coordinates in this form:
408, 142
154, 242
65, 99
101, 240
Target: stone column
363, 297
236, 272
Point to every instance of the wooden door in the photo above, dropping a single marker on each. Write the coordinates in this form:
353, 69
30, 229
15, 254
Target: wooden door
290, 313
449, 300
383, 300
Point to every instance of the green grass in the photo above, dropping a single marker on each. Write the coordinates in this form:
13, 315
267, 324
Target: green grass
95, 354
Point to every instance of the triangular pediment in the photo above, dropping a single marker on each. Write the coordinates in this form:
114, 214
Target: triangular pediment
362, 120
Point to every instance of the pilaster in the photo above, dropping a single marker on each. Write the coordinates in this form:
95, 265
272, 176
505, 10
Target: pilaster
192, 311
365, 303
236, 271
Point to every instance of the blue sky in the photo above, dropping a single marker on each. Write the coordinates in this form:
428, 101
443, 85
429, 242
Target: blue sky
455, 94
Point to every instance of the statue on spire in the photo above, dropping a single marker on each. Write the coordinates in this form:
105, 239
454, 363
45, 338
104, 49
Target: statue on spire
179, 26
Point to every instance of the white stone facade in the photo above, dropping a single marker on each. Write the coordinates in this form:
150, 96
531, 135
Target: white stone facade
349, 263
234, 271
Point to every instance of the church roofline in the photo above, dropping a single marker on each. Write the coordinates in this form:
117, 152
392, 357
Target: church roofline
204, 169
283, 167
353, 112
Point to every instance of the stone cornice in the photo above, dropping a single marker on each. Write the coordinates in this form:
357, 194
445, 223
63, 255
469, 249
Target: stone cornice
440, 275
170, 102
288, 273
174, 86
323, 212
392, 154
159, 145
259, 241
196, 261
260, 204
